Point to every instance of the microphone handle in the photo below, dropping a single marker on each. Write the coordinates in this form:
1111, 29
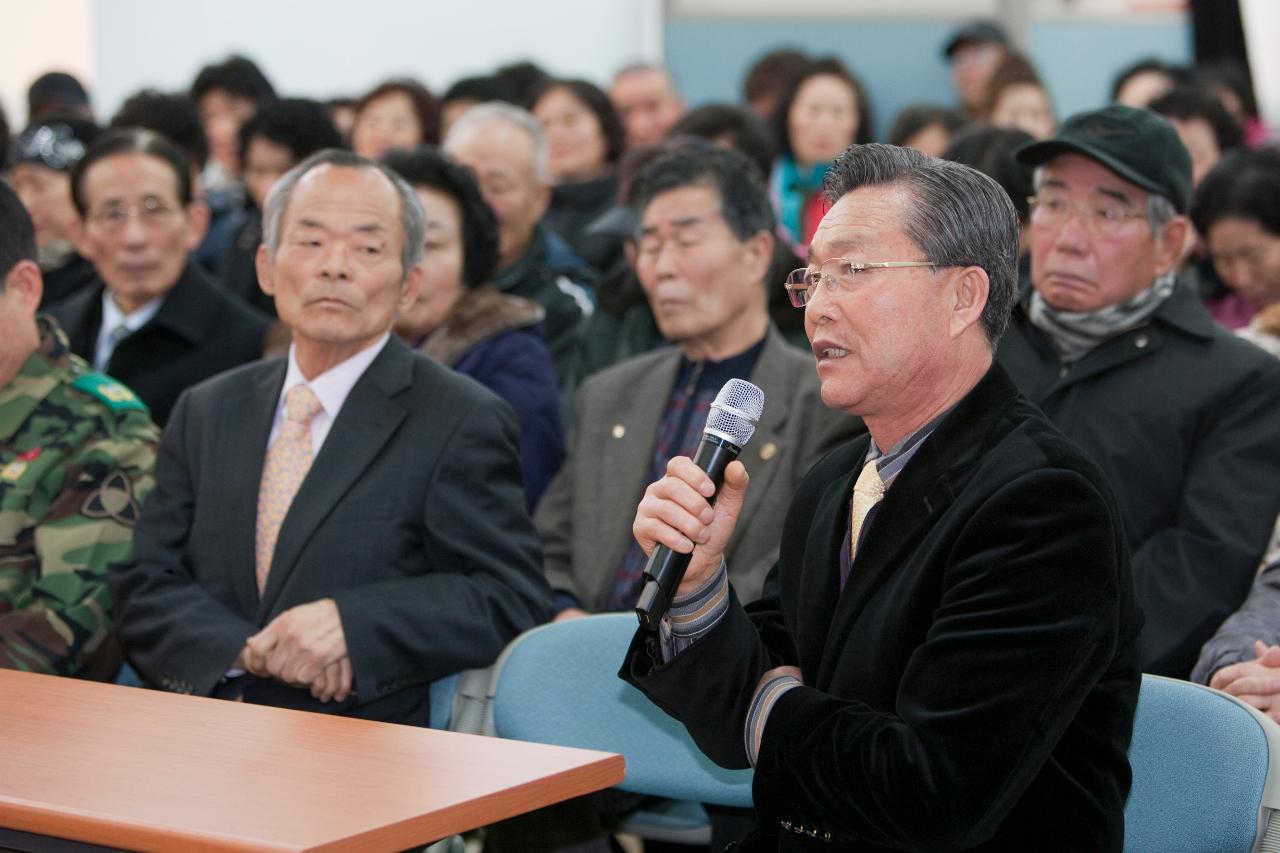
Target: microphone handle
666, 568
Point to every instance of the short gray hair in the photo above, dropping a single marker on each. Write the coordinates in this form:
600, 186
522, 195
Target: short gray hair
481, 114
413, 220
961, 217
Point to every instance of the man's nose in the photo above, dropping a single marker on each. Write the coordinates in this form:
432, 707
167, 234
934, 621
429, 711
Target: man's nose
1071, 234
134, 232
336, 262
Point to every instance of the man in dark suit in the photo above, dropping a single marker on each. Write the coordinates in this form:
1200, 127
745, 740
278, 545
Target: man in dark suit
153, 320
401, 554
945, 655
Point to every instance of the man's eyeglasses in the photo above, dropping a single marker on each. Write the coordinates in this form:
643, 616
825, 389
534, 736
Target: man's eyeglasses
1098, 218
150, 213
838, 274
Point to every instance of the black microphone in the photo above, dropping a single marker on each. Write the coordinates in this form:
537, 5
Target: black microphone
734, 414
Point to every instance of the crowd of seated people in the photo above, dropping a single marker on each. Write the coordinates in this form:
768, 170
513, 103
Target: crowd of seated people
270, 311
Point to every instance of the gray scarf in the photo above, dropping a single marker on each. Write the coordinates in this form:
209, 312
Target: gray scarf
1075, 334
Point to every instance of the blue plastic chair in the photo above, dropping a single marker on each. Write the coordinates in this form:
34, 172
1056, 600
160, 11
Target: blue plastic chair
559, 684
1206, 772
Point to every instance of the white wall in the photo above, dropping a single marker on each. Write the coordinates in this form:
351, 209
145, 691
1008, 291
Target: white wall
325, 48
49, 35
1261, 30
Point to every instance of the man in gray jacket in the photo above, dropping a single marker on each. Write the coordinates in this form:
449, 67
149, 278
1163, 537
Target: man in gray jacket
703, 247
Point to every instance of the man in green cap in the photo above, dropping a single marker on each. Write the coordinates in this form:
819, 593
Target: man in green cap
77, 450
1182, 416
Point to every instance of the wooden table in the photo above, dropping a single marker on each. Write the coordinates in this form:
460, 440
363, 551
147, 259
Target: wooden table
144, 770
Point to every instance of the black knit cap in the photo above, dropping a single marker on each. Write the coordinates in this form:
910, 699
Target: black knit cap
1137, 144
975, 32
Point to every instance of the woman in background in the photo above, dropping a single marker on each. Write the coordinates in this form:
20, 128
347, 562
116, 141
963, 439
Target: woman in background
585, 140
395, 114
1017, 99
823, 112
1237, 210
464, 323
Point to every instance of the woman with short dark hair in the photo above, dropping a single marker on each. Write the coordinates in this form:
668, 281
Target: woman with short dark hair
823, 112
397, 113
585, 140
464, 323
1237, 211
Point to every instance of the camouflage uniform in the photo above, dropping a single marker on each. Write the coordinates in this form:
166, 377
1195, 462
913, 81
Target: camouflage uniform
77, 455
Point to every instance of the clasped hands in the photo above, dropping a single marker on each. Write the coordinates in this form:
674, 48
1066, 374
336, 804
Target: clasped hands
304, 647
1256, 682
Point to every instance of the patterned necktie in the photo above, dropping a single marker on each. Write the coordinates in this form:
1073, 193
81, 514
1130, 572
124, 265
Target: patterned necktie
286, 465
867, 492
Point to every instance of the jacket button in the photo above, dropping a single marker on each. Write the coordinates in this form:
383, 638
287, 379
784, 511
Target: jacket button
768, 451
619, 430
1141, 341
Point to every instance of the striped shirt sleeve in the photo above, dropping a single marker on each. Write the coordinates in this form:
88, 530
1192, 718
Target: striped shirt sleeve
690, 616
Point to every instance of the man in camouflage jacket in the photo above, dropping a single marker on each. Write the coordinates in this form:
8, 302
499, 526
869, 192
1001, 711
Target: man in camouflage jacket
77, 450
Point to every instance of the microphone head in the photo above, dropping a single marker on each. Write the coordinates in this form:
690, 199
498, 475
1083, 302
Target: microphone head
735, 412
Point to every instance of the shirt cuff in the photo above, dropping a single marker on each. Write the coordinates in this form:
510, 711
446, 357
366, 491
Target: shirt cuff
761, 705
690, 616
561, 600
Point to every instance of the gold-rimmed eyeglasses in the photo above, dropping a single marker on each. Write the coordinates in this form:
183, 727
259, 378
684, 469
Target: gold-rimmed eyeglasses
838, 274
1098, 218
150, 212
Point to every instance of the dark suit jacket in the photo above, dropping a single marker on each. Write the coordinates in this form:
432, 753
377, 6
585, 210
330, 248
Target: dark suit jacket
973, 685
198, 332
1183, 418
585, 516
412, 519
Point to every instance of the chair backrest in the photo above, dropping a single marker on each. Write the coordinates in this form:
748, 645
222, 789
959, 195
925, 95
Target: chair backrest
559, 684
1206, 769
441, 695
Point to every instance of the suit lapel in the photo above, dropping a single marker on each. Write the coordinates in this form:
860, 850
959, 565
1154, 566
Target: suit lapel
623, 474
243, 432
369, 418
918, 496
818, 591
770, 378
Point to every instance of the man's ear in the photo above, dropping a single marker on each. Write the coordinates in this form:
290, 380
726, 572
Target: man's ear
414, 281
758, 256
262, 263
25, 282
1172, 243
971, 288
197, 216
79, 238
543, 201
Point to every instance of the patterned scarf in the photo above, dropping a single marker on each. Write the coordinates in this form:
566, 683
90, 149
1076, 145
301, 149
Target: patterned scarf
792, 189
1075, 334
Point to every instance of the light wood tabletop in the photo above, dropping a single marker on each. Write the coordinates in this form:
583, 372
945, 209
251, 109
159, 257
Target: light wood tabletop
145, 770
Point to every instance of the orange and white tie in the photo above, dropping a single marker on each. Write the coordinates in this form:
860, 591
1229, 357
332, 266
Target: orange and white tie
286, 466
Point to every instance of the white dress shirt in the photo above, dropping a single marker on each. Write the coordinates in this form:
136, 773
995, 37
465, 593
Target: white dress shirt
331, 389
117, 325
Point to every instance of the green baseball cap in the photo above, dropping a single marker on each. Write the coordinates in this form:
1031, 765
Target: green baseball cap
1137, 144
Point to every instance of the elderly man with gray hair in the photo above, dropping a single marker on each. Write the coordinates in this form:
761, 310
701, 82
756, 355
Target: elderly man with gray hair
944, 657
303, 546
506, 149
1182, 416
